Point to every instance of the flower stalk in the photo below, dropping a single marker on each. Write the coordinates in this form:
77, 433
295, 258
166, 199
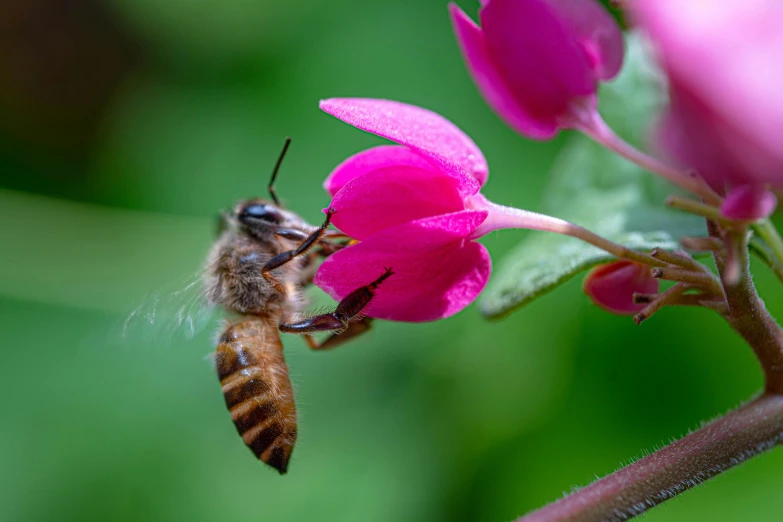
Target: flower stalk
702, 244
666, 298
677, 258
750, 318
501, 217
773, 245
590, 123
724, 443
702, 278
697, 208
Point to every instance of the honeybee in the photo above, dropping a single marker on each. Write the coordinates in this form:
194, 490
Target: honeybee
257, 269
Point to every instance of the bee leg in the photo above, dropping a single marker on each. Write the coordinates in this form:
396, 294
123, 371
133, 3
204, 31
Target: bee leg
292, 234
353, 330
281, 259
310, 267
324, 249
328, 247
347, 318
327, 244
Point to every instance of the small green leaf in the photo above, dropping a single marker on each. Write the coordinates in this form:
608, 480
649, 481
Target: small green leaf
598, 190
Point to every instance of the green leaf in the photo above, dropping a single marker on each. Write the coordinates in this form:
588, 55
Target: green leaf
593, 187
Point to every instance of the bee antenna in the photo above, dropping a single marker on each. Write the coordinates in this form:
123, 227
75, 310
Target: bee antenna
271, 187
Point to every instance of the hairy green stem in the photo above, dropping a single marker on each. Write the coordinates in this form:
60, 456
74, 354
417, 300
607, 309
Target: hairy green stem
751, 429
773, 253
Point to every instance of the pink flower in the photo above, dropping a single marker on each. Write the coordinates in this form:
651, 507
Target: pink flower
538, 62
749, 203
612, 285
414, 207
725, 66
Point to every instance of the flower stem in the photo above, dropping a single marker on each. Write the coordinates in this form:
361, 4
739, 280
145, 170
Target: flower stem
751, 429
697, 208
589, 122
750, 318
613, 248
702, 244
677, 258
703, 278
501, 217
664, 299
767, 231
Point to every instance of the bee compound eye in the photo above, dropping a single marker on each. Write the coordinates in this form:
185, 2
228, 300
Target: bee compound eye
260, 212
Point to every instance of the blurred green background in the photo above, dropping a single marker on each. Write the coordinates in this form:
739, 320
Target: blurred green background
126, 125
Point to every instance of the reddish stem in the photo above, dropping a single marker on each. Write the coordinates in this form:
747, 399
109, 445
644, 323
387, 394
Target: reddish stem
747, 313
586, 119
752, 429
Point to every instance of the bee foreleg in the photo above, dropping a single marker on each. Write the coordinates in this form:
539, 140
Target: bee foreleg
310, 267
281, 259
292, 234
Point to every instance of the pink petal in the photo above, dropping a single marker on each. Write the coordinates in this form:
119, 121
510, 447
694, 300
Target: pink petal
490, 82
598, 33
372, 159
437, 272
748, 203
612, 285
729, 56
393, 195
689, 134
537, 54
423, 131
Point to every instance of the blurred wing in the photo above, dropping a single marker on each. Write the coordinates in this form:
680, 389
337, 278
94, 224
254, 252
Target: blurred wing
176, 313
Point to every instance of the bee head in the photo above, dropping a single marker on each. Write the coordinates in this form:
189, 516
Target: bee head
258, 212
260, 219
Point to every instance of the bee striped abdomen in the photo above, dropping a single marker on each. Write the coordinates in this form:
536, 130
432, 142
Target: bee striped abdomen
257, 389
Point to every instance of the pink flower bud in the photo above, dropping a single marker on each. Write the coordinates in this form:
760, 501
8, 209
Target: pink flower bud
612, 285
534, 61
748, 203
724, 60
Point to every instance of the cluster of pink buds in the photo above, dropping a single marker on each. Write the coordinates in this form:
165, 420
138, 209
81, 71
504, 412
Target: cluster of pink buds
417, 205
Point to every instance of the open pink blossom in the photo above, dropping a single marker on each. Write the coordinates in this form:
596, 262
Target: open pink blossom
725, 118
536, 62
414, 207
612, 285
